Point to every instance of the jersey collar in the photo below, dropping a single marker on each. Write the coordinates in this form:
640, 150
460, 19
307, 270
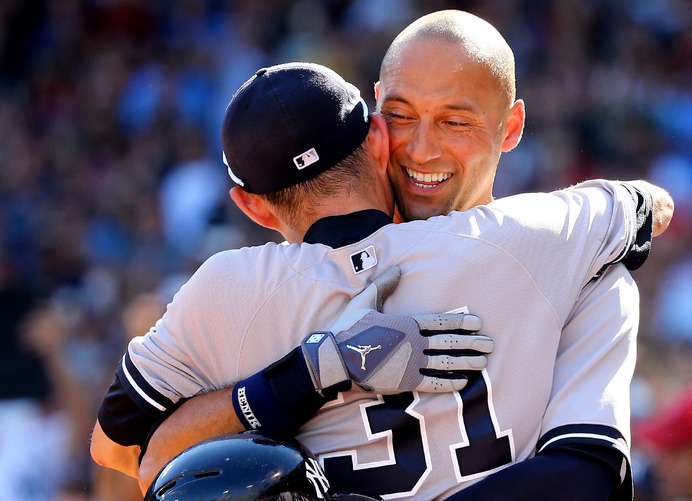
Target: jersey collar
346, 229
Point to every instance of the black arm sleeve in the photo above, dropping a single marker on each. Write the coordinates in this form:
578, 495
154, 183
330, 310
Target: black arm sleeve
645, 227
571, 472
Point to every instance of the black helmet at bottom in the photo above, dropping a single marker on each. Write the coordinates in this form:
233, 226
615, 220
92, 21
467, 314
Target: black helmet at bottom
245, 466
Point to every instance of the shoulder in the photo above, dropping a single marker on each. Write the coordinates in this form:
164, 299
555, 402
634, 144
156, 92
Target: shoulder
262, 267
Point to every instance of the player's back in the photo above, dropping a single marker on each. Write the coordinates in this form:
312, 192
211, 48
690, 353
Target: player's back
417, 444
243, 309
428, 443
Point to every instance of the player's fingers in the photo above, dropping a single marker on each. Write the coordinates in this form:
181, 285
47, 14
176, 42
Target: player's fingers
371, 298
449, 363
430, 323
453, 342
385, 285
431, 384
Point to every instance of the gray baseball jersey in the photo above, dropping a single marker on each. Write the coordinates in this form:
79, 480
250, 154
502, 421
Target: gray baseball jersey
524, 264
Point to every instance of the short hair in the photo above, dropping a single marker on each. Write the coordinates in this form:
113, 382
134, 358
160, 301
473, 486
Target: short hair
480, 40
353, 175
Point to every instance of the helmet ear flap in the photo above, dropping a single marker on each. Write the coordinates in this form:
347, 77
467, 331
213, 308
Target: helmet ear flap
245, 466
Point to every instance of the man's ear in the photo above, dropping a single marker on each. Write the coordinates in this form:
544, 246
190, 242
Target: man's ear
379, 140
255, 207
515, 126
377, 90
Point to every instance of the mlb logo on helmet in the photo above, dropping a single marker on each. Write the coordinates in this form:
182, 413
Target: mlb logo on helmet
363, 259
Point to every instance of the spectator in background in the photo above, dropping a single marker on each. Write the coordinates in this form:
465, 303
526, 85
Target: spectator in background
189, 194
138, 317
34, 432
666, 437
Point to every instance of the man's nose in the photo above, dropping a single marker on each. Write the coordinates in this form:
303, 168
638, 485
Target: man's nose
424, 144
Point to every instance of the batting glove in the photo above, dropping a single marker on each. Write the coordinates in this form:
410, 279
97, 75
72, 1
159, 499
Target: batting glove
394, 353
378, 352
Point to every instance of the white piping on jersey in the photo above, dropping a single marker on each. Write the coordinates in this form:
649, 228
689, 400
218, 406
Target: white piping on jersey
139, 390
612, 440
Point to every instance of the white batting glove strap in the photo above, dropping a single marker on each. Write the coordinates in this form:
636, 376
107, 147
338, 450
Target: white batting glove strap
324, 362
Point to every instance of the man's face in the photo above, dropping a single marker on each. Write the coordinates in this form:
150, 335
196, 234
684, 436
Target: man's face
445, 116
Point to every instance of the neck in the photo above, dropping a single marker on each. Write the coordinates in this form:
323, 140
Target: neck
337, 206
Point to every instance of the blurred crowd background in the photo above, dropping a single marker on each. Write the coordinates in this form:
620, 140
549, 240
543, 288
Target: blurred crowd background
112, 189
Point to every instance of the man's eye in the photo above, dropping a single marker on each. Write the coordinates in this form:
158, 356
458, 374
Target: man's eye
454, 123
397, 117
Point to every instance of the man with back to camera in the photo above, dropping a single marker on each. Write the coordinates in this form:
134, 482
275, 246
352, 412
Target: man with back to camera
265, 212
430, 102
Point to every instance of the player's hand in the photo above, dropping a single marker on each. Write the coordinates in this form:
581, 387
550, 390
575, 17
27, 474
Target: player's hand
394, 353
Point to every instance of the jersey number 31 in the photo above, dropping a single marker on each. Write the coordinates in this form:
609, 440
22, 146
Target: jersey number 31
483, 450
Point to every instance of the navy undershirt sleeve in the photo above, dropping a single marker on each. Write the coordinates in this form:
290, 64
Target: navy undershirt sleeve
125, 422
121, 419
573, 472
641, 247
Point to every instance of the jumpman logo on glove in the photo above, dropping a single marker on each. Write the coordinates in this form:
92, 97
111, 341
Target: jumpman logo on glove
363, 350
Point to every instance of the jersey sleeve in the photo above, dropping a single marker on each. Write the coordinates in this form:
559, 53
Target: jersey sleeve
638, 252
169, 364
590, 397
566, 238
604, 216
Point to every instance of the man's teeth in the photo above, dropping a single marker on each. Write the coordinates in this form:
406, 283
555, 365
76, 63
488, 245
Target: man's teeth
427, 178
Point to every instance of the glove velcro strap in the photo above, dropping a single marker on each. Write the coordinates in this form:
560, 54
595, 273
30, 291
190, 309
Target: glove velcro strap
280, 398
323, 359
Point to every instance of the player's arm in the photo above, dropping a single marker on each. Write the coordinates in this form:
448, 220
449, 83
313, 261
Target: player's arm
128, 413
662, 205
202, 417
629, 233
561, 474
283, 396
586, 424
286, 394
110, 454
158, 372
583, 453
583, 450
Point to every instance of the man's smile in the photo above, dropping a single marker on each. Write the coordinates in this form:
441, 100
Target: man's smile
427, 180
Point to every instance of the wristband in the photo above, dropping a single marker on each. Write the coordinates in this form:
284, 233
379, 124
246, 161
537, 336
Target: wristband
281, 398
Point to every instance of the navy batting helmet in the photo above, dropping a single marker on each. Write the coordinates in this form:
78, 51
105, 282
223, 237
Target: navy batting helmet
245, 466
